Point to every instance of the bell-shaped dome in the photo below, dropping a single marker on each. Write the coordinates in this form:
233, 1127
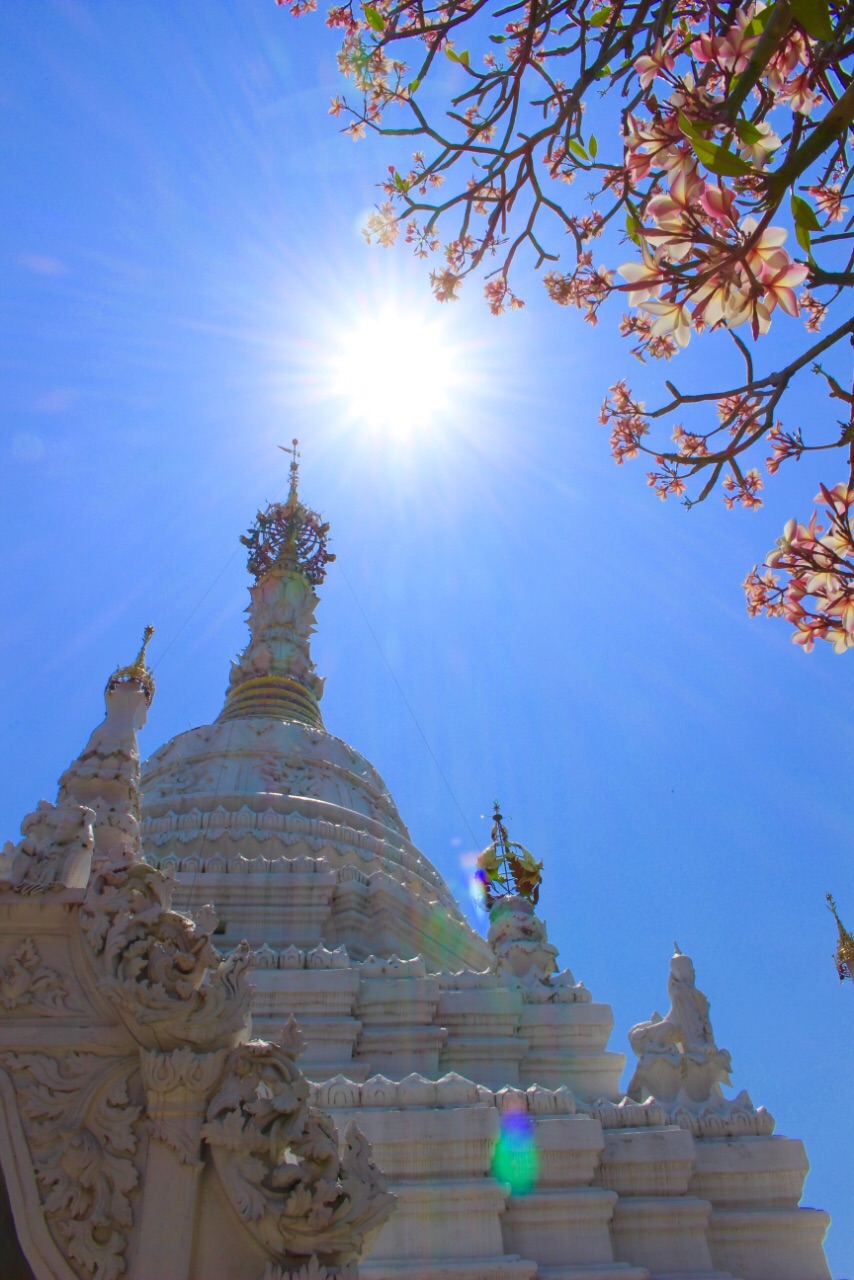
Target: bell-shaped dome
266, 787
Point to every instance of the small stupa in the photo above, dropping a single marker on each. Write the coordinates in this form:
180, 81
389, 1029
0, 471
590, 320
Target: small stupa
477, 1068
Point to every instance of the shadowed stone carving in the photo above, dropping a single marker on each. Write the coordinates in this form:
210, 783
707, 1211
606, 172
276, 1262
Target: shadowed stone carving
129, 1087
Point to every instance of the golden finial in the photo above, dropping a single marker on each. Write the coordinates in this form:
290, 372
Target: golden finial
844, 954
289, 534
294, 467
505, 868
137, 671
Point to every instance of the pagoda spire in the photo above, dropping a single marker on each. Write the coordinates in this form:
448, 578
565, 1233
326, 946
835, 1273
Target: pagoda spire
137, 672
105, 776
844, 955
95, 820
275, 675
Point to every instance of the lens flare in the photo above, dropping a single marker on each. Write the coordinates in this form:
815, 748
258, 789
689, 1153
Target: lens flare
514, 1158
474, 880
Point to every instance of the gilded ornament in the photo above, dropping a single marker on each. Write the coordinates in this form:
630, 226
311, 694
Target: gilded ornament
505, 868
137, 671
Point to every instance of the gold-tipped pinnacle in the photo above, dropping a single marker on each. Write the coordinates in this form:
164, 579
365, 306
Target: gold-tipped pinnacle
137, 670
294, 466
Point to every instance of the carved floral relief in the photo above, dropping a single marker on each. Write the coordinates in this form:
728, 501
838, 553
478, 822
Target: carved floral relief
82, 1121
27, 985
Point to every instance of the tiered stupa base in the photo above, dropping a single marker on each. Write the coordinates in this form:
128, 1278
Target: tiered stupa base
482, 1076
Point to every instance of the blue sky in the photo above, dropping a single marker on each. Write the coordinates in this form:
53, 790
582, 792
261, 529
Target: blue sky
182, 251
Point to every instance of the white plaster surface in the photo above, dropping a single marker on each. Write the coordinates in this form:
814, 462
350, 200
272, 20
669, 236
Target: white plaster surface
444, 1048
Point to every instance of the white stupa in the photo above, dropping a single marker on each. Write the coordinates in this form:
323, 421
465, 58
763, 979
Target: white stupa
454, 1052
145, 1135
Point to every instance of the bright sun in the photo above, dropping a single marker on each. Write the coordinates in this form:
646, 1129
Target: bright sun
395, 369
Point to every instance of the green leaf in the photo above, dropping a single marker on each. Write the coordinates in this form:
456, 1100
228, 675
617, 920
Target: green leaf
498, 39
600, 17
414, 85
704, 151
632, 228
718, 159
814, 17
577, 150
748, 132
804, 215
758, 24
690, 129
464, 58
592, 147
374, 18
400, 183
802, 236
451, 54
723, 162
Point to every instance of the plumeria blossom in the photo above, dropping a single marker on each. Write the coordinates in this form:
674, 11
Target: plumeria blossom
673, 319
818, 563
758, 151
721, 185
645, 276
660, 60
766, 250
779, 284
799, 94
731, 51
828, 201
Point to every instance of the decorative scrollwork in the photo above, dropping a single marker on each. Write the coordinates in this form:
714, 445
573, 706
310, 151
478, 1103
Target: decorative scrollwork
278, 1159
291, 535
27, 985
313, 1270
160, 968
82, 1129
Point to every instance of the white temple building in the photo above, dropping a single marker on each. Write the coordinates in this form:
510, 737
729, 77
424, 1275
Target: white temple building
144, 1134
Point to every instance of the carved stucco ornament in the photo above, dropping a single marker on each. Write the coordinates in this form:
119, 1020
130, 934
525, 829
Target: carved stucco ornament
313, 1270
133, 1081
80, 1113
681, 1067
28, 985
279, 1160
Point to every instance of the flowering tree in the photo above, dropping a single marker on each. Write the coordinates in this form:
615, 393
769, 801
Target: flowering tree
724, 128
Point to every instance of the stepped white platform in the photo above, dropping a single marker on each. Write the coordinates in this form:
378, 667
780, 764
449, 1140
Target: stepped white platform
480, 1073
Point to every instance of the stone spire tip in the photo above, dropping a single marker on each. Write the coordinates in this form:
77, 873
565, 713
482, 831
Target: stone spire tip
137, 671
292, 493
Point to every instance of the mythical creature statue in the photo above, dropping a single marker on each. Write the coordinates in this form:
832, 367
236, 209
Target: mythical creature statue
677, 1054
